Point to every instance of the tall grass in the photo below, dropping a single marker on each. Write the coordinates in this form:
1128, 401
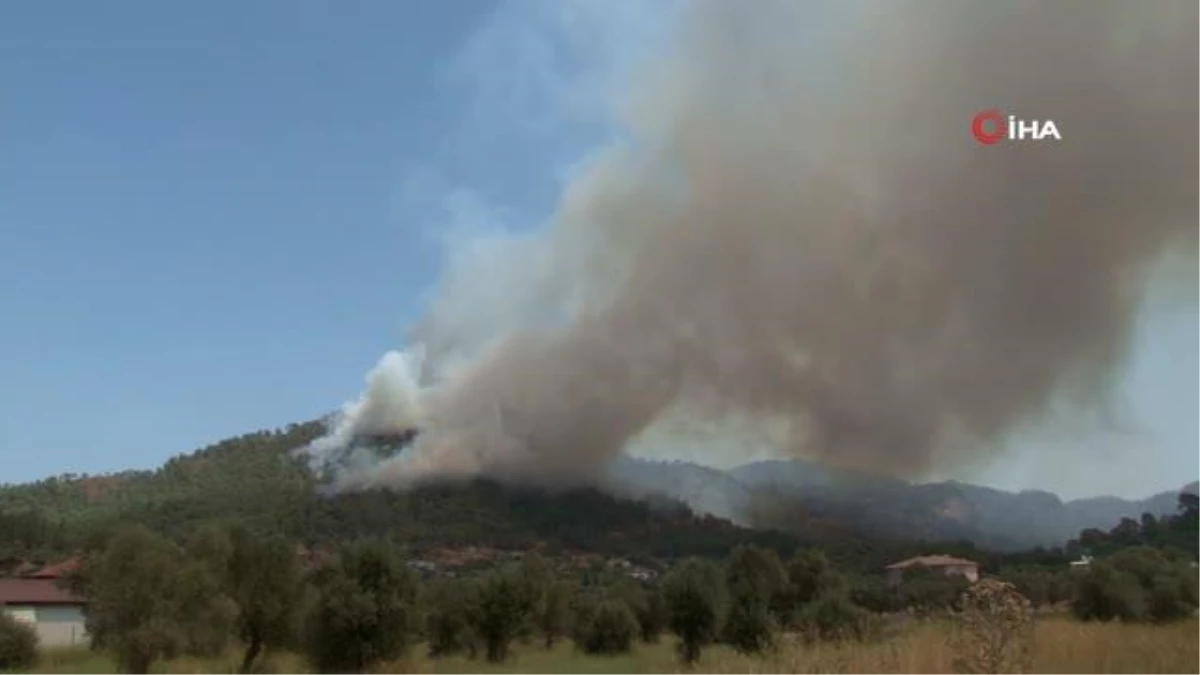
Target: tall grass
1061, 645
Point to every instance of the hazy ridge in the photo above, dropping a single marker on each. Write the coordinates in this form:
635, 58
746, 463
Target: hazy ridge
885, 506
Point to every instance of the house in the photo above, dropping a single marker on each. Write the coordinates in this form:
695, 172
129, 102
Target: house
55, 613
1082, 564
944, 564
641, 573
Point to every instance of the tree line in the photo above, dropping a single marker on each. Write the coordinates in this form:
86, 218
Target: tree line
151, 599
223, 586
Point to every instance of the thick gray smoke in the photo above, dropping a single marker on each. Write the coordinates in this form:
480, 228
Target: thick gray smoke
808, 238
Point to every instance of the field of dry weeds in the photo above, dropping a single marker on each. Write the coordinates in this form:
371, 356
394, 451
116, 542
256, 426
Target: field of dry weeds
1061, 647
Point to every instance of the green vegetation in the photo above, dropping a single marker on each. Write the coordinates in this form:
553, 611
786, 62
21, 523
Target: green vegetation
1136, 584
694, 594
334, 579
448, 627
261, 577
609, 629
504, 604
18, 644
366, 610
149, 599
254, 481
155, 602
754, 577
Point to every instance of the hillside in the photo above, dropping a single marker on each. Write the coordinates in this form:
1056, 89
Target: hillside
641, 511
252, 479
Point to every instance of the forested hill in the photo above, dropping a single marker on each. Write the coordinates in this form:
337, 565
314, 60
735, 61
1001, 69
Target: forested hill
253, 480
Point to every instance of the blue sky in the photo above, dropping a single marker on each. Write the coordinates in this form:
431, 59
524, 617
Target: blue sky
215, 216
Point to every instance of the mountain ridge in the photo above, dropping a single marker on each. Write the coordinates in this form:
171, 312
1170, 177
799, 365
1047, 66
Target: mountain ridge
946, 509
255, 477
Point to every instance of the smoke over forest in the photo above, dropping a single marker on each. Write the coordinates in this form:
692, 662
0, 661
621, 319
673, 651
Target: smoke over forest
806, 240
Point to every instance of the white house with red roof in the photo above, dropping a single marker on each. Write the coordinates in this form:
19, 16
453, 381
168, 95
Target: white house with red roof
40, 599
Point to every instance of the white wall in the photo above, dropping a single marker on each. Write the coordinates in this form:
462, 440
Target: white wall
56, 625
59, 613
21, 613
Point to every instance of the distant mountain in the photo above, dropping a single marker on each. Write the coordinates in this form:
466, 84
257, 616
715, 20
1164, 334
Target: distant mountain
794, 493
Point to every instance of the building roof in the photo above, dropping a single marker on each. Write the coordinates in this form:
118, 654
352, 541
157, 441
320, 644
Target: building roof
26, 591
56, 571
932, 561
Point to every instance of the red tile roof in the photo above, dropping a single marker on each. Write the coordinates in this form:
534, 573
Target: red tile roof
57, 570
28, 591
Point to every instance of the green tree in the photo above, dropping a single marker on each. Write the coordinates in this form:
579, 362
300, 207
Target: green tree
554, 612
1189, 503
695, 597
808, 573
754, 577
647, 606
448, 627
1033, 583
653, 618
147, 601
1167, 583
366, 609
611, 628
18, 644
264, 579
535, 577
1105, 592
505, 606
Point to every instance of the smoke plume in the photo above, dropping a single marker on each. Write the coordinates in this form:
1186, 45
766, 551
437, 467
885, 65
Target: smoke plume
804, 237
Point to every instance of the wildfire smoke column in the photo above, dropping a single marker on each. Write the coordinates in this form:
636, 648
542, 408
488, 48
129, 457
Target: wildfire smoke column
806, 234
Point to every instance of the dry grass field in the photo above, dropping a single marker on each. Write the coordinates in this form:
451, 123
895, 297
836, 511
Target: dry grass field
1061, 645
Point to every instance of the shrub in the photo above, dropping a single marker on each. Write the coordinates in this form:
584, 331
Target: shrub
1171, 597
1104, 593
994, 630
831, 616
874, 594
749, 627
927, 591
1136, 583
18, 644
611, 629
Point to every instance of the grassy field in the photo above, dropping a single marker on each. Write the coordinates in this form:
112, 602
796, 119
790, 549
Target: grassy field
1061, 646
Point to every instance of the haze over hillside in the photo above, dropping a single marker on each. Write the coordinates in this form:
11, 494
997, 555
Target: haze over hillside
764, 493
254, 480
